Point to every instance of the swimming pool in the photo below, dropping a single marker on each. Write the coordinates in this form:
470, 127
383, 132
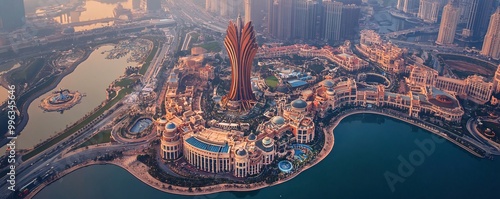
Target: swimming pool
140, 125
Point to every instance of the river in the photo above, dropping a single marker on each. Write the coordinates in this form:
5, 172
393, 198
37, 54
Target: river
92, 10
366, 147
91, 77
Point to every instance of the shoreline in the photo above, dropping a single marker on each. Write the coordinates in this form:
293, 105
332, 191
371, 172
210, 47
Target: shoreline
24, 107
140, 169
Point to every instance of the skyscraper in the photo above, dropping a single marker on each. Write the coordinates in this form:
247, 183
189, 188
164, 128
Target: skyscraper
306, 19
449, 21
215, 6
208, 5
241, 46
491, 44
400, 5
12, 14
226, 8
410, 6
350, 21
333, 17
280, 20
151, 5
272, 18
428, 11
477, 24
254, 11
248, 10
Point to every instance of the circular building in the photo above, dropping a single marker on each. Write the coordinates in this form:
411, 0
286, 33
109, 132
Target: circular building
266, 145
240, 162
278, 120
299, 105
285, 166
327, 83
171, 144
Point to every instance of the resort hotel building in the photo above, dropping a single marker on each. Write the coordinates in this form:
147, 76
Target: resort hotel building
474, 87
218, 150
388, 55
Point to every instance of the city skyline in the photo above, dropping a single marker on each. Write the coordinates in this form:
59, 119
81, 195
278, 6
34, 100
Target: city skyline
249, 98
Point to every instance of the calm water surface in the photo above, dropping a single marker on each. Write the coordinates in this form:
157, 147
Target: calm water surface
91, 77
366, 147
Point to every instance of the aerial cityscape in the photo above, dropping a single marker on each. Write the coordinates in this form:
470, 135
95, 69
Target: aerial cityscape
249, 98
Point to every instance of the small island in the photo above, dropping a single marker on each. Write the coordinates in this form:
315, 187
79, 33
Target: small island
61, 100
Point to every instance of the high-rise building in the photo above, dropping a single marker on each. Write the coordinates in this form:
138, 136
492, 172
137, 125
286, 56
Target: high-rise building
350, 21
428, 11
477, 22
215, 6
151, 5
410, 6
255, 10
491, 44
248, 10
12, 14
136, 4
465, 10
241, 46
449, 21
496, 80
272, 18
340, 20
280, 18
401, 4
332, 21
306, 19
208, 5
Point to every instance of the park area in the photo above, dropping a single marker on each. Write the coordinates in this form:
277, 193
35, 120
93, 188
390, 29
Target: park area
272, 81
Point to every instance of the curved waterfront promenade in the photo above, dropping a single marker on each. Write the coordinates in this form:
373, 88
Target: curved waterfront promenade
140, 171
38, 93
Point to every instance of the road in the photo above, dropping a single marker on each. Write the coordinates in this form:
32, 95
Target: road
471, 127
58, 156
188, 12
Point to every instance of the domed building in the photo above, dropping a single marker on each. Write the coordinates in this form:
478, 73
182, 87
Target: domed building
327, 83
240, 163
278, 120
299, 105
171, 144
252, 137
296, 110
304, 130
160, 125
266, 145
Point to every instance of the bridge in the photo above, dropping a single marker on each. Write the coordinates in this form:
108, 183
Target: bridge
427, 29
90, 22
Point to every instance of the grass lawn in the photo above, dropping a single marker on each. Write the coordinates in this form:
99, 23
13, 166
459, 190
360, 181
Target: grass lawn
151, 55
272, 81
27, 73
195, 37
101, 137
124, 82
75, 128
211, 47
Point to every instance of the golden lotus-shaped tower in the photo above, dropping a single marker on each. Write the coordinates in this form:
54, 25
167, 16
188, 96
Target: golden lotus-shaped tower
241, 46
